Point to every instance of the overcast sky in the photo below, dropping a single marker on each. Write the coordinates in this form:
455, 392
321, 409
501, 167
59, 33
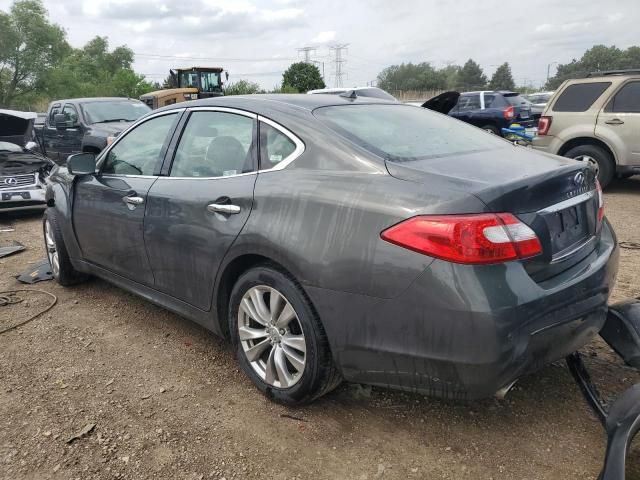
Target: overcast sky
257, 40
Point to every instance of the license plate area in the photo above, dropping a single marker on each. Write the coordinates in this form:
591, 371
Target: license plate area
568, 227
8, 196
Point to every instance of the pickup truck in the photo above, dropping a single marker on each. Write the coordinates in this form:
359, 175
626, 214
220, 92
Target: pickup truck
85, 124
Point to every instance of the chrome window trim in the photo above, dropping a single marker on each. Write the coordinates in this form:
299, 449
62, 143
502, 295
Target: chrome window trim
103, 154
168, 177
299, 150
120, 175
223, 109
569, 202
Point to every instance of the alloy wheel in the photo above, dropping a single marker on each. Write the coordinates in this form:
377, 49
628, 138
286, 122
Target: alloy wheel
52, 251
589, 159
271, 336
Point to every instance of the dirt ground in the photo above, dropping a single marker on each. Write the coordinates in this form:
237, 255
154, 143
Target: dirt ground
168, 400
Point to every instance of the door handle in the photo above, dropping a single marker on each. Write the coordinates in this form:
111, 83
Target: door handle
223, 208
133, 200
614, 121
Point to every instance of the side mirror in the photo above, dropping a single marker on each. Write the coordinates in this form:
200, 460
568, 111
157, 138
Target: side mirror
82, 164
60, 121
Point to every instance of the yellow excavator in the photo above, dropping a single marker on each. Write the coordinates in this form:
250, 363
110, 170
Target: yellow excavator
188, 84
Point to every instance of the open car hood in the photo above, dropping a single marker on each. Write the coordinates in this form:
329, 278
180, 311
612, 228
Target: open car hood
16, 127
442, 103
16, 160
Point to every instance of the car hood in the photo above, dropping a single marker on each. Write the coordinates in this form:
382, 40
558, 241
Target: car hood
21, 163
515, 179
442, 103
16, 127
110, 129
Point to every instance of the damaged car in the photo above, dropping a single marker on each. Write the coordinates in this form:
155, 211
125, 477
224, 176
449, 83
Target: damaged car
23, 170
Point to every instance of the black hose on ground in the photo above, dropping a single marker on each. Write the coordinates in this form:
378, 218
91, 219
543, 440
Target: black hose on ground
8, 297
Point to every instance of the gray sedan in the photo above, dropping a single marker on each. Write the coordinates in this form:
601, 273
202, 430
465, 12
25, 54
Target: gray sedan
332, 237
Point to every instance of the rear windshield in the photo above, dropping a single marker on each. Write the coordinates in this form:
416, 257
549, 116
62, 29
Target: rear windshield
404, 133
515, 99
579, 97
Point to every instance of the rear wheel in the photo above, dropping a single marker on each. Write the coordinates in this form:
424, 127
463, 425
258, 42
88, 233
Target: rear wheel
279, 340
599, 158
491, 129
57, 254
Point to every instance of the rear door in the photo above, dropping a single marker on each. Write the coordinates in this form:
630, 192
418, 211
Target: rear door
108, 208
197, 209
619, 123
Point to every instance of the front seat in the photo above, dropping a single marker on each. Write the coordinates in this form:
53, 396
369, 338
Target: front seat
225, 155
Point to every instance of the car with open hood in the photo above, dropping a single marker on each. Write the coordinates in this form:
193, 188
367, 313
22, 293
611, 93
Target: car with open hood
23, 170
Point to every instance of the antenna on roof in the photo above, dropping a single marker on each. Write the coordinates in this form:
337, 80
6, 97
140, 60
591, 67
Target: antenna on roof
349, 94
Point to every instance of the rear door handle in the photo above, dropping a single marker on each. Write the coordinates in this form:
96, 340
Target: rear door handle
614, 121
227, 209
132, 201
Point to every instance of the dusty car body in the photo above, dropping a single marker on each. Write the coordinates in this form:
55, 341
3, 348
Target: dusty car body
326, 216
23, 171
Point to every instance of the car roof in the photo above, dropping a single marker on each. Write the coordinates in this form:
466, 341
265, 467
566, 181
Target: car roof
502, 92
292, 101
94, 99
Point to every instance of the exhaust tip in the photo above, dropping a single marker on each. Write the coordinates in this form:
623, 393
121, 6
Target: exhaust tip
501, 393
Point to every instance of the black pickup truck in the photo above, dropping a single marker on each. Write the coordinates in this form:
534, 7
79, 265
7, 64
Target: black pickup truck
85, 124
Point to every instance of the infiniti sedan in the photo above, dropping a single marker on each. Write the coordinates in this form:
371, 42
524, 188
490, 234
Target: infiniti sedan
333, 237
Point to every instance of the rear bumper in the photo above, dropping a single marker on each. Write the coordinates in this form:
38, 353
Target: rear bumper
464, 331
547, 143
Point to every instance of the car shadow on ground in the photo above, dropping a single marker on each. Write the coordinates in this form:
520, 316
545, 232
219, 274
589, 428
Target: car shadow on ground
625, 185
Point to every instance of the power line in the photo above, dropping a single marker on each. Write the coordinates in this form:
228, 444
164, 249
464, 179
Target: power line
221, 59
339, 62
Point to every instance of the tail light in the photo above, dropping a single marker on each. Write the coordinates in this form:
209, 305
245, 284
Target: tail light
600, 204
509, 113
543, 125
469, 239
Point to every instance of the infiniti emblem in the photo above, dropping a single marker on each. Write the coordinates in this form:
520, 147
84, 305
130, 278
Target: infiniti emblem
11, 181
579, 179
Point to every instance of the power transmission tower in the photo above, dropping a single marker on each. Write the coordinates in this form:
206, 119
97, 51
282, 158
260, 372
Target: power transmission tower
339, 62
307, 53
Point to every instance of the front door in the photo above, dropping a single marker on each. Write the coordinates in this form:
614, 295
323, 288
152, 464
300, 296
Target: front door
619, 123
108, 208
195, 212
71, 137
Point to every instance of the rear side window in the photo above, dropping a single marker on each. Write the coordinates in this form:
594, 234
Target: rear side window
275, 146
403, 133
469, 102
627, 100
580, 96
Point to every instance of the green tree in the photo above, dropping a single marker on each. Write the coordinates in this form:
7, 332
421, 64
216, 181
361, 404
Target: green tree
242, 87
30, 45
597, 58
502, 78
409, 76
284, 89
303, 77
471, 77
451, 74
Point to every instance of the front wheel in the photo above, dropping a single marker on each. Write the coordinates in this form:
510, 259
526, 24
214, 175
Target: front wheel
599, 158
279, 340
57, 254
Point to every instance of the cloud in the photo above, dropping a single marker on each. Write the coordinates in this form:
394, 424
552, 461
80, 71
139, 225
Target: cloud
324, 37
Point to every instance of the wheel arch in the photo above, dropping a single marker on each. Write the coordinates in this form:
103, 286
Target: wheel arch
229, 275
578, 141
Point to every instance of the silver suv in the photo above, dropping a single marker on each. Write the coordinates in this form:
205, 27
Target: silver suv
596, 119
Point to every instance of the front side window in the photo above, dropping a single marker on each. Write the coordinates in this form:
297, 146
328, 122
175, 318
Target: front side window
627, 100
215, 144
403, 133
275, 146
70, 114
140, 151
580, 96
55, 110
469, 102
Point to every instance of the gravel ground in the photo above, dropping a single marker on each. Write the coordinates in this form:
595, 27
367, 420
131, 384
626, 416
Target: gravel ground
163, 398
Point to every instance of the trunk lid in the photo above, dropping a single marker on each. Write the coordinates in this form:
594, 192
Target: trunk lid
556, 197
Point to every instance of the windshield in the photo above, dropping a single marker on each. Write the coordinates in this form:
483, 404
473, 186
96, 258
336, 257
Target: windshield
210, 81
404, 133
117, 111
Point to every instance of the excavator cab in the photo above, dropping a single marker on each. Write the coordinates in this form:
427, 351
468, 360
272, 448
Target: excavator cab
188, 84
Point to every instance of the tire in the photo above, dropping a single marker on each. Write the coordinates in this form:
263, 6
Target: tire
290, 363
599, 156
492, 129
61, 267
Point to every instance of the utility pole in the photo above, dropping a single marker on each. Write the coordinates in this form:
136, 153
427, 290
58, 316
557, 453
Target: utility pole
339, 61
307, 53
